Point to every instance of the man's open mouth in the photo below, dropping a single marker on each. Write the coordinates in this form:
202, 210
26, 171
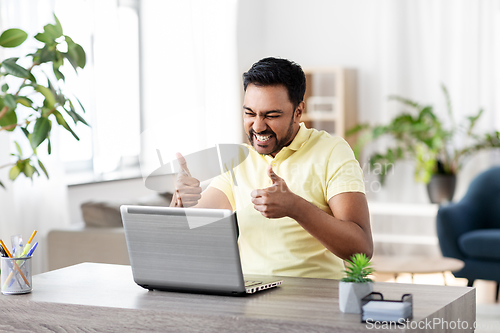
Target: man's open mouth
262, 138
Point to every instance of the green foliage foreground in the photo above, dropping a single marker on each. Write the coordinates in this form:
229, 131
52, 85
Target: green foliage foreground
26, 84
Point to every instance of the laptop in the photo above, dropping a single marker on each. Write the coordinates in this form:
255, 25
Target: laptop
187, 250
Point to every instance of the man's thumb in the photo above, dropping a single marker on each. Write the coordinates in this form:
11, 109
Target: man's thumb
274, 177
183, 164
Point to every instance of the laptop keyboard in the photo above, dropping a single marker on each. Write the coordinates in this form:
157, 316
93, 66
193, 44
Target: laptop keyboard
252, 283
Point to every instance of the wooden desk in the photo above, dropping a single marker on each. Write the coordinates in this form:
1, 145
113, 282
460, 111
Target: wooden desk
104, 298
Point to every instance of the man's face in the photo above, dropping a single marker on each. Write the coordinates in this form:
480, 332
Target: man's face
270, 120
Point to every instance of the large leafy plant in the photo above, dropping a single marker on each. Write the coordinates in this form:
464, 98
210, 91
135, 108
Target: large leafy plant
358, 268
30, 99
420, 135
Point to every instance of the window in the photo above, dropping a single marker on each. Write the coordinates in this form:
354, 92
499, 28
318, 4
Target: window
155, 69
109, 86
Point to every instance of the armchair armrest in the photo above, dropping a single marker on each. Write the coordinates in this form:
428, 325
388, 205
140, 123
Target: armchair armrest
452, 221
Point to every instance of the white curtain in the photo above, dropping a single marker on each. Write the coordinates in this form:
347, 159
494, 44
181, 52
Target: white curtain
190, 78
423, 43
41, 204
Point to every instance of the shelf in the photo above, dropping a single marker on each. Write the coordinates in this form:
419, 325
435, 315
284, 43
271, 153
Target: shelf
333, 91
307, 118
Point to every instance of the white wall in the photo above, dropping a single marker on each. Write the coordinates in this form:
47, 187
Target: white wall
122, 191
314, 34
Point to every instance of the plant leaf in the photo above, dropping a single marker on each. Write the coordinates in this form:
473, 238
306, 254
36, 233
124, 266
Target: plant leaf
57, 26
25, 131
82, 59
75, 54
53, 31
1, 184
50, 100
10, 101
5, 87
61, 121
44, 38
40, 132
29, 170
405, 101
83, 109
24, 101
13, 37
59, 96
9, 118
19, 149
12, 68
49, 146
43, 168
473, 120
58, 74
14, 171
448, 101
75, 115
45, 54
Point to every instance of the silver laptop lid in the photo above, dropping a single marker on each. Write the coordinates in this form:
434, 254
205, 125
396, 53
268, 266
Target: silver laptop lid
183, 248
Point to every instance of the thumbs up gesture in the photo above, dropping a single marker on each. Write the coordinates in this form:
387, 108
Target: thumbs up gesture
187, 188
276, 200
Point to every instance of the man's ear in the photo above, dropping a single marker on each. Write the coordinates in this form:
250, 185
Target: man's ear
299, 111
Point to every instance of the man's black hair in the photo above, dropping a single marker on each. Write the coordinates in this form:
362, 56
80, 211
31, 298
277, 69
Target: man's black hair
275, 71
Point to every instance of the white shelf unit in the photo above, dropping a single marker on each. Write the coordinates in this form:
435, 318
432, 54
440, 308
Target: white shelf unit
336, 86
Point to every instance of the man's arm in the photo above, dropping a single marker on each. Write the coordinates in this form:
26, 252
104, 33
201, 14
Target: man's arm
213, 198
345, 233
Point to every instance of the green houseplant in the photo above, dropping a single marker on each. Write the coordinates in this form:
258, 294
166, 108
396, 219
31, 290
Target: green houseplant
356, 284
30, 99
438, 150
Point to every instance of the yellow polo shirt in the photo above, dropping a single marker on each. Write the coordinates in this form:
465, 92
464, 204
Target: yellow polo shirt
315, 166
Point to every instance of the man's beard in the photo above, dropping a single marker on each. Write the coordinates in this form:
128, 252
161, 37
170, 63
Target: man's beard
279, 144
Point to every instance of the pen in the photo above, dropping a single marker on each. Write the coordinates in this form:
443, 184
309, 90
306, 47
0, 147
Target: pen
15, 264
32, 236
28, 245
30, 253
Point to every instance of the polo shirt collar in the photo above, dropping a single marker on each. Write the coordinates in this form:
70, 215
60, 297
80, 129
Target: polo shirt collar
301, 137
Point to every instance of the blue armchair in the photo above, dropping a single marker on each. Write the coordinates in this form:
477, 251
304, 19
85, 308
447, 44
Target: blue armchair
469, 230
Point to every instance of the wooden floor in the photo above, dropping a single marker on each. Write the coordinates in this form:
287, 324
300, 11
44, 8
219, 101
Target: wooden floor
487, 311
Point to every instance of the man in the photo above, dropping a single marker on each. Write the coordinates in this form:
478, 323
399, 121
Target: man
299, 194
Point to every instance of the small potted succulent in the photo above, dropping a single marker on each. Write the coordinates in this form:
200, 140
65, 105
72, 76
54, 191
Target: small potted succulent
356, 284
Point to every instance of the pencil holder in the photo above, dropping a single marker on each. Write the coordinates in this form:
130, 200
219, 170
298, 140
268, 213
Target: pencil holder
16, 275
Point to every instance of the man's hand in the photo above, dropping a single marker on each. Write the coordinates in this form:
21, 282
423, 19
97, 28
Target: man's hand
187, 189
276, 200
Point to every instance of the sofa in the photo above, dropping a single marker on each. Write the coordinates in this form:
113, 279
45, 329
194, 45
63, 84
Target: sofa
100, 238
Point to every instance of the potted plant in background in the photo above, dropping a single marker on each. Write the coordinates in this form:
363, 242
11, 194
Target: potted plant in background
438, 150
30, 98
356, 284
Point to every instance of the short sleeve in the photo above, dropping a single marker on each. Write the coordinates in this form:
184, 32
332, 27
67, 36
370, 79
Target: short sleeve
224, 183
343, 173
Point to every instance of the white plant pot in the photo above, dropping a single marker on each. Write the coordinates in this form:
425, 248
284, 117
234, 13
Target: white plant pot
350, 295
